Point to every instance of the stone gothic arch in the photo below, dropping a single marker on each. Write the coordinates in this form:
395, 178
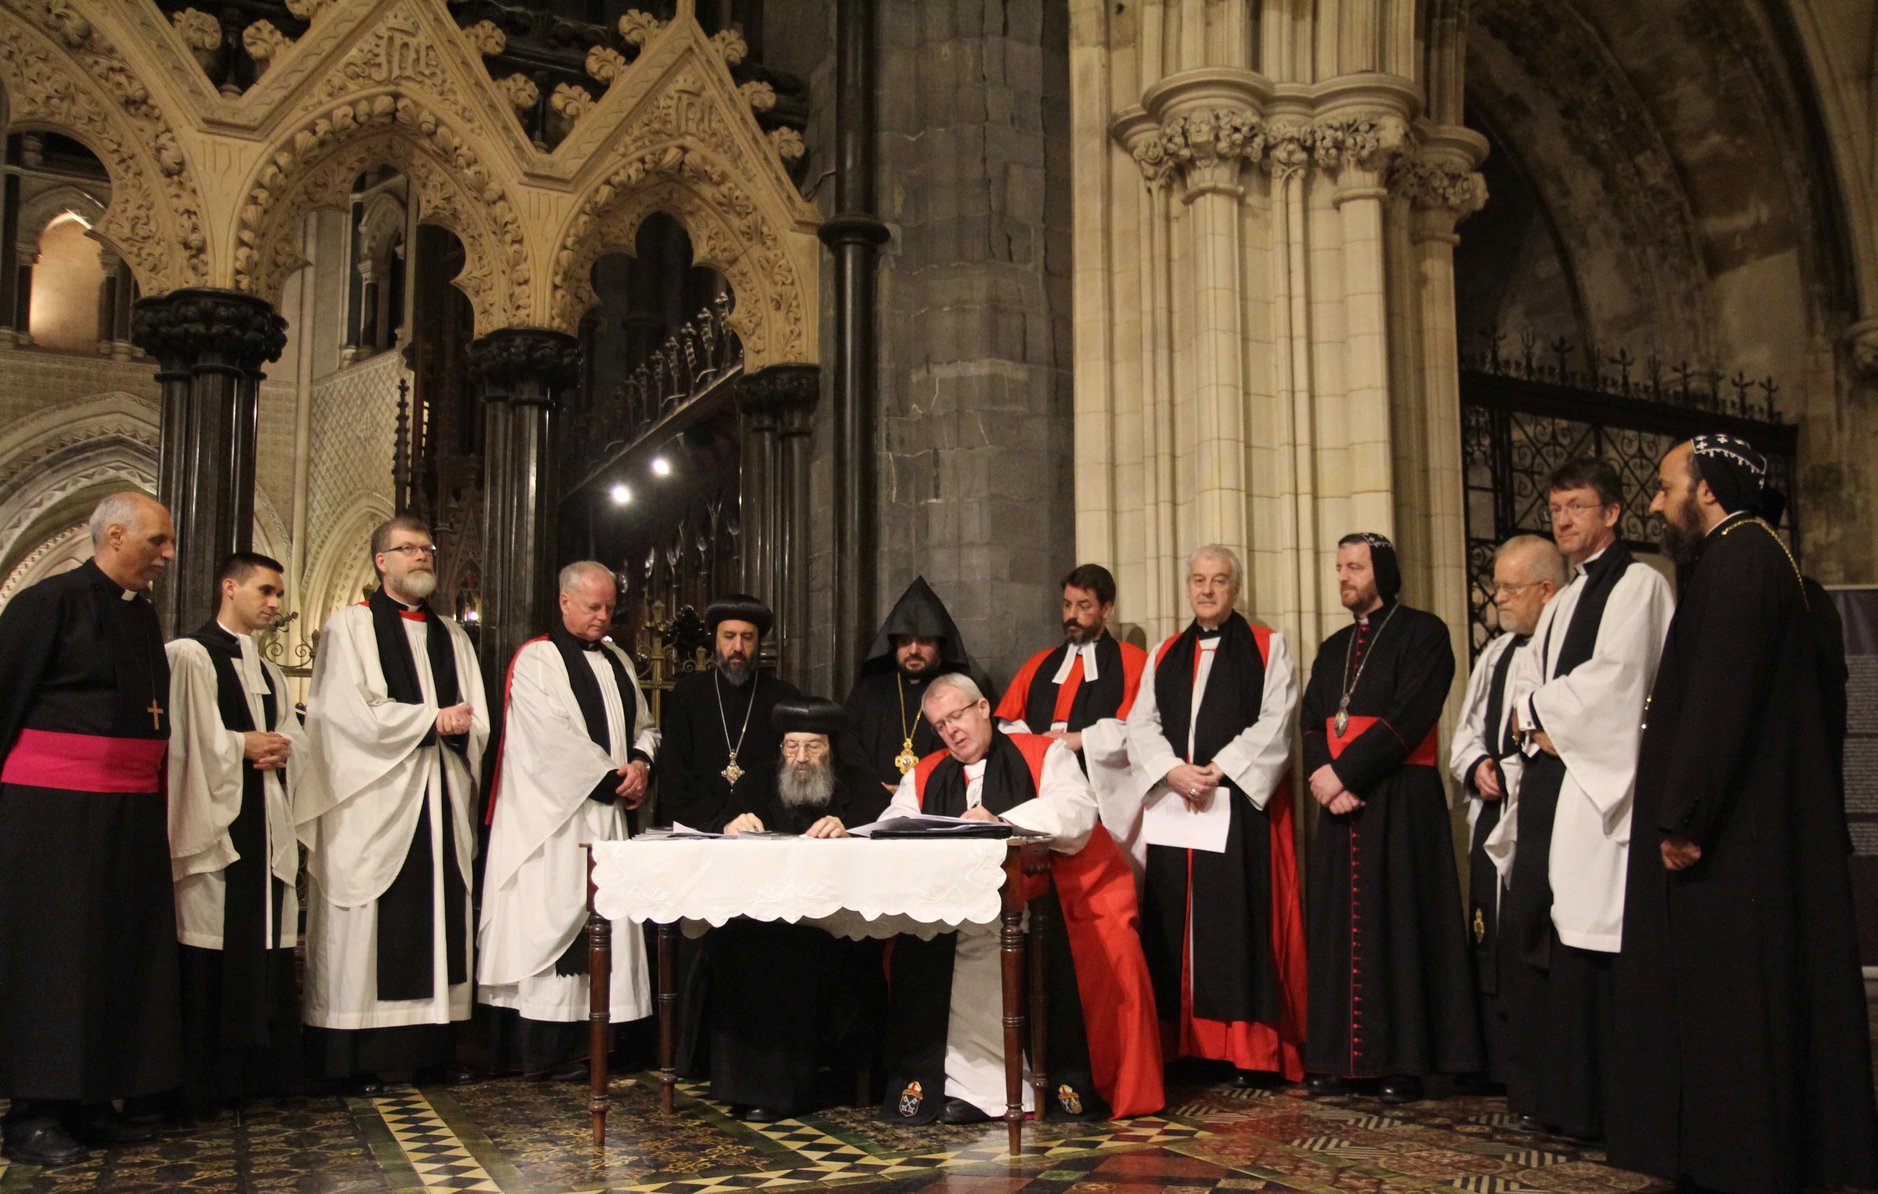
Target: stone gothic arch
340, 565
61, 72
45, 206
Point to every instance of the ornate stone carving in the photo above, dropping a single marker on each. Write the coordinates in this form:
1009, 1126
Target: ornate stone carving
636, 28
787, 143
316, 164
520, 91
487, 38
1862, 339
199, 30
605, 65
184, 326
759, 95
1367, 140
566, 105
785, 395
1210, 144
68, 75
1288, 145
264, 43
521, 364
1434, 186
306, 10
731, 45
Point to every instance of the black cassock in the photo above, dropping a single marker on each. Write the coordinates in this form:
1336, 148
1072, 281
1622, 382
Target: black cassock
241, 1006
1743, 1057
703, 718
883, 712
89, 994
785, 999
1391, 982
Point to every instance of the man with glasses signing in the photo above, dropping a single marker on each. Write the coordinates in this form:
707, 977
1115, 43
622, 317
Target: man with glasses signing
1579, 693
397, 723
1484, 758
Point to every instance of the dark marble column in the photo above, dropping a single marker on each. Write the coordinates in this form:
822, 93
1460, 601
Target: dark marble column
523, 375
854, 236
209, 346
777, 406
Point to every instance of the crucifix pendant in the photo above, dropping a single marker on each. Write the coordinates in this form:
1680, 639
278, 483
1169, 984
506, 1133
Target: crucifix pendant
156, 713
1343, 716
731, 772
906, 760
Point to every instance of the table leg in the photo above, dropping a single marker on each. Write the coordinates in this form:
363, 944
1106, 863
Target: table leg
668, 1018
599, 1009
1038, 945
1011, 958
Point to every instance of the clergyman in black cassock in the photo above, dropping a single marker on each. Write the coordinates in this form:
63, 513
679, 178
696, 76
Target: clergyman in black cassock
917, 641
787, 999
1743, 1050
1391, 988
88, 967
1484, 759
233, 848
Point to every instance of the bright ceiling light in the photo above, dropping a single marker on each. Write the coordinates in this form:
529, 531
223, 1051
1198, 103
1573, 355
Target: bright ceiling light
621, 495
661, 467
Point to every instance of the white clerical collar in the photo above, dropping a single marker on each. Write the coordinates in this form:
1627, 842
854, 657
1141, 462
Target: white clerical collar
127, 595
227, 629
975, 771
1089, 671
252, 677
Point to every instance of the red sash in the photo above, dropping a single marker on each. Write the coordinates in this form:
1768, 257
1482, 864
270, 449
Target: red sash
1422, 756
85, 762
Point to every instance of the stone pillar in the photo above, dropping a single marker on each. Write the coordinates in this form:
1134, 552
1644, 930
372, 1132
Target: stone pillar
209, 345
778, 407
522, 373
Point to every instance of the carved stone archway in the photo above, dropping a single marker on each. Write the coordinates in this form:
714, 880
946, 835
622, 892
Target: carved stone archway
105, 442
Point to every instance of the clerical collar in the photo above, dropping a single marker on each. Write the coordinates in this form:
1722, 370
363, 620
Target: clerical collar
223, 627
1363, 619
1084, 651
1205, 634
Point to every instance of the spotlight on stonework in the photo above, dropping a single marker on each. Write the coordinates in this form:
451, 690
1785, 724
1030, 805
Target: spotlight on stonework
621, 495
661, 467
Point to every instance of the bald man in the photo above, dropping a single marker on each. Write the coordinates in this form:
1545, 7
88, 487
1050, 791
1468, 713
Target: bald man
89, 993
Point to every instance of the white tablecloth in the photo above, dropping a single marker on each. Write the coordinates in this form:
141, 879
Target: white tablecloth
850, 886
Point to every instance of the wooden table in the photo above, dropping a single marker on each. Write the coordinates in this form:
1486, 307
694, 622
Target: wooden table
1026, 875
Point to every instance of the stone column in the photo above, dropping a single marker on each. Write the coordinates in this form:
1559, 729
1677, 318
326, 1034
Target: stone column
209, 345
778, 406
523, 374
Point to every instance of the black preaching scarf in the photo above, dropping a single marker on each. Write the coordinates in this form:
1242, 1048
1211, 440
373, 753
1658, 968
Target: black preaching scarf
406, 915
249, 883
1094, 700
1529, 895
1483, 881
1007, 781
1235, 689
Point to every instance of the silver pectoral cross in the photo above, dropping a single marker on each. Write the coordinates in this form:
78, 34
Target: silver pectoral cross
731, 772
1343, 716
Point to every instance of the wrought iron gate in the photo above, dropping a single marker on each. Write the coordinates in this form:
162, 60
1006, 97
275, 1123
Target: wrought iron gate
1525, 413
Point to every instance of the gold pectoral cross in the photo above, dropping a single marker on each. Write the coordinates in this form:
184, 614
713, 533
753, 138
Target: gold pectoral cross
906, 760
731, 772
156, 714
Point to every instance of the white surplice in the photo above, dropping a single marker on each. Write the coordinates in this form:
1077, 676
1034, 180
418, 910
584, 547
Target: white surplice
1064, 807
1478, 732
205, 789
1256, 758
1105, 758
356, 809
535, 880
1594, 716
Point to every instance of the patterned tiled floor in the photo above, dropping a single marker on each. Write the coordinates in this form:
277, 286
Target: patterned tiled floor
513, 1135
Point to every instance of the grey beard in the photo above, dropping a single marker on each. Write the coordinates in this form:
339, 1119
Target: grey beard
737, 673
419, 585
813, 792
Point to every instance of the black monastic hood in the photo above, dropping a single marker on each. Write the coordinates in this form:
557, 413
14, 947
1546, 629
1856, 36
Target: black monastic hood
919, 611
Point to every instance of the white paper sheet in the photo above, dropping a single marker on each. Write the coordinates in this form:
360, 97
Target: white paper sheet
1167, 820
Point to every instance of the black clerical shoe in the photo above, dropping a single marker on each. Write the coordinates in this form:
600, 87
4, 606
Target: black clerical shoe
365, 1085
1326, 1084
573, 1071
1254, 1079
761, 1115
42, 1140
104, 1127
958, 1111
1400, 1088
454, 1073
1530, 1123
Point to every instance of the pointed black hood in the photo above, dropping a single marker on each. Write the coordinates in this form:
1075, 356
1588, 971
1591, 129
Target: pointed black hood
919, 611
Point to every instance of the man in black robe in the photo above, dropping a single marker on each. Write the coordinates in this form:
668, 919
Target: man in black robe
88, 972
917, 641
786, 998
1743, 1051
235, 855
1391, 989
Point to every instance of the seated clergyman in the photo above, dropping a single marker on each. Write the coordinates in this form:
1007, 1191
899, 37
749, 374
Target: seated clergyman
787, 1000
944, 1040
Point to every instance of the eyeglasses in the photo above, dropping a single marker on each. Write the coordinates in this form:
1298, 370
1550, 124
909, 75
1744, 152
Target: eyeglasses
1508, 590
1573, 509
412, 551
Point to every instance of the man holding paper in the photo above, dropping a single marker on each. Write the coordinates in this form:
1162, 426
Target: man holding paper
1210, 734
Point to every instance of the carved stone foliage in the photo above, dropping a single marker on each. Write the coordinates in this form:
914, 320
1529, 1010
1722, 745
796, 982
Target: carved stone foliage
315, 166
524, 364
186, 326
1438, 186
781, 395
1208, 146
681, 156
62, 72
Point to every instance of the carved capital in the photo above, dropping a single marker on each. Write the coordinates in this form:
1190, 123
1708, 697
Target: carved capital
198, 326
781, 396
1363, 140
1437, 186
524, 365
1206, 148
1862, 339
1288, 146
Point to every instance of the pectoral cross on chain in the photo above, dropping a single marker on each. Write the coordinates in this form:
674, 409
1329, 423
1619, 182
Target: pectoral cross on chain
156, 714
